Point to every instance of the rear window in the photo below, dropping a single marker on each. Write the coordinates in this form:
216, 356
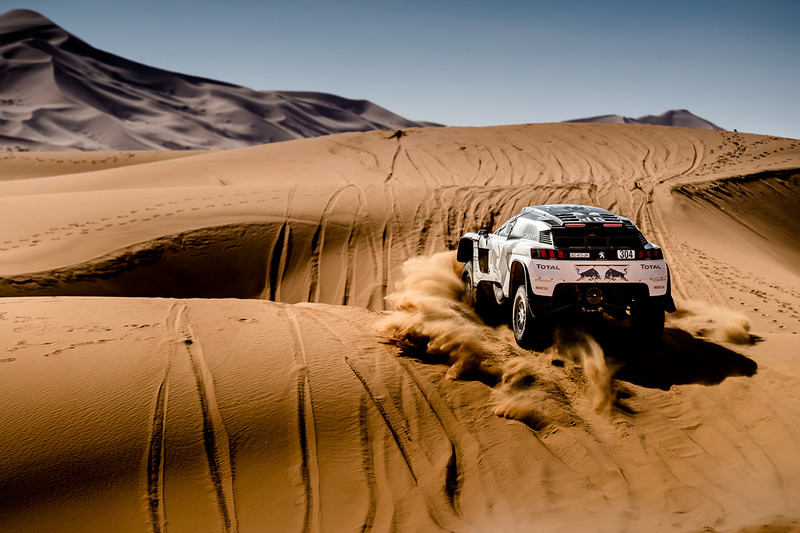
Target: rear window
526, 229
597, 238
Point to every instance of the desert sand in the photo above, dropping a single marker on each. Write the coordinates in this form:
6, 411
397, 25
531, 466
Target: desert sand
272, 338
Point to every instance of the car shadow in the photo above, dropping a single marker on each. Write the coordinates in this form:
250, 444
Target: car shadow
680, 359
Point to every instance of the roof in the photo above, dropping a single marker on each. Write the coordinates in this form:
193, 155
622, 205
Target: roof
561, 214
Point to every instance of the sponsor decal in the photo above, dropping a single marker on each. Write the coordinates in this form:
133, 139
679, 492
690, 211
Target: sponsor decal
591, 274
580, 255
544, 287
616, 274
541, 266
658, 287
650, 267
596, 273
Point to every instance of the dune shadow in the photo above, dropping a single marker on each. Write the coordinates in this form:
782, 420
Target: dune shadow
680, 359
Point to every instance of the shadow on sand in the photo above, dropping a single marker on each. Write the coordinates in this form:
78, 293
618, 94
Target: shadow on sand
681, 359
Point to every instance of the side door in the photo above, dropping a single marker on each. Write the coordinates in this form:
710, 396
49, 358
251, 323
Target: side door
499, 249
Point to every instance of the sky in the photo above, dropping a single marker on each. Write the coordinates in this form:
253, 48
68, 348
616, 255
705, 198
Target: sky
475, 63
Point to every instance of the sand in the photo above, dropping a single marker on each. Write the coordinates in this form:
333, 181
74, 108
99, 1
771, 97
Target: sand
236, 341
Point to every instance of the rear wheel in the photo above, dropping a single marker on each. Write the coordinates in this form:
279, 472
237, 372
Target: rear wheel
480, 297
529, 331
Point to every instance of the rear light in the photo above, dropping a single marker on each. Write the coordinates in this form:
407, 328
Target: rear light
574, 224
655, 253
539, 253
612, 225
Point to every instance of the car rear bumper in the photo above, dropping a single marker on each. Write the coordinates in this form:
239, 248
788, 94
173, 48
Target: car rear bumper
651, 275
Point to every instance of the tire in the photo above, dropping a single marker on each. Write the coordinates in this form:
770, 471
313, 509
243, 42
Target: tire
530, 332
480, 297
647, 321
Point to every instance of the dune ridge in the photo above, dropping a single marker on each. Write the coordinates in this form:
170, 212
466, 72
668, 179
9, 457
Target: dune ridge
674, 117
351, 199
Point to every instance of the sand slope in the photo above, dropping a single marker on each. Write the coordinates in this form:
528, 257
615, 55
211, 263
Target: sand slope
337, 216
180, 413
231, 415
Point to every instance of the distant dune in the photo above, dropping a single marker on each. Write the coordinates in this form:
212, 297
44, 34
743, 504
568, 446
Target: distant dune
59, 93
679, 117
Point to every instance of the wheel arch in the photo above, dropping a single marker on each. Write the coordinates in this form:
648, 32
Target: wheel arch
517, 275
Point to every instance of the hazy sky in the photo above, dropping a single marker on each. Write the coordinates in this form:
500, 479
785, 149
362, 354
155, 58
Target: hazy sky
476, 63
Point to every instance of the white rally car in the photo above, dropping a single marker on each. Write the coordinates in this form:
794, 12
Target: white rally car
553, 261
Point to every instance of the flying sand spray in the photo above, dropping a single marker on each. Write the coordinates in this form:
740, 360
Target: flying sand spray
431, 315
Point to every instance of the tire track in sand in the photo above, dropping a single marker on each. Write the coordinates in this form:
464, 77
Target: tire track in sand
442, 480
309, 470
215, 436
155, 448
318, 239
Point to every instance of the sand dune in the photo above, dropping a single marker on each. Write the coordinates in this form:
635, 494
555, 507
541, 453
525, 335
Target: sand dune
359, 204
59, 93
674, 117
186, 409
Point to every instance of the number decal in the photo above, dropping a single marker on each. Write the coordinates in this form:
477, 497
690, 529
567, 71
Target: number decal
625, 254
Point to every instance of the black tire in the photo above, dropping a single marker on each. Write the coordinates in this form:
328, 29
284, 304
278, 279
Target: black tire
530, 332
480, 297
647, 321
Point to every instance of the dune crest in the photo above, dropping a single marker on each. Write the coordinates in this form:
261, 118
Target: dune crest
674, 117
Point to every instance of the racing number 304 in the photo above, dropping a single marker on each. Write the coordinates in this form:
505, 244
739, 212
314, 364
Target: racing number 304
625, 254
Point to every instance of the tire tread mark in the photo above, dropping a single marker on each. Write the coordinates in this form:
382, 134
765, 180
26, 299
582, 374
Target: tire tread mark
305, 460
350, 269
442, 484
367, 459
277, 258
401, 441
368, 464
316, 254
155, 448
463, 460
155, 462
305, 421
215, 437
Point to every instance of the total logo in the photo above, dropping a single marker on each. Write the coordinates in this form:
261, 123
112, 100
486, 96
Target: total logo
540, 266
650, 267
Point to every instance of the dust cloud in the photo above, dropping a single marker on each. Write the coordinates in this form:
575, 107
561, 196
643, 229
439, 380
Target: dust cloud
712, 322
583, 350
526, 393
431, 314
